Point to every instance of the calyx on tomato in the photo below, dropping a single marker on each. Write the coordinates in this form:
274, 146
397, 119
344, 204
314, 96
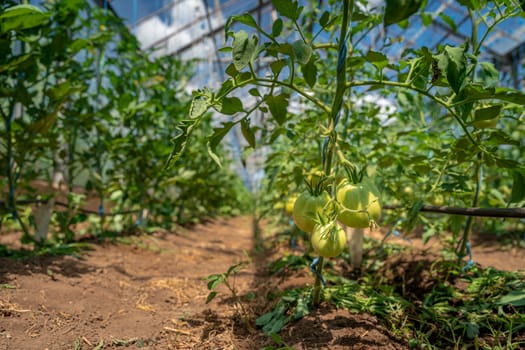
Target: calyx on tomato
328, 239
359, 204
307, 209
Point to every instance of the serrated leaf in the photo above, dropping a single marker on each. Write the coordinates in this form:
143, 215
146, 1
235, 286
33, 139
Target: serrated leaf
453, 62
286, 8
302, 51
21, 17
245, 18
199, 105
219, 134
488, 74
210, 297
399, 10
518, 186
180, 140
277, 27
278, 106
247, 132
243, 49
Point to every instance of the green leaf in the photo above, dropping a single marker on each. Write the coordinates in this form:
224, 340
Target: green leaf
488, 74
453, 62
448, 20
325, 18
245, 18
399, 10
231, 70
216, 138
210, 297
518, 186
302, 51
277, 27
243, 49
200, 104
309, 71
264, 319
377, 58
247, 132
277, 66
278, 107
287, 8
487, 113
214, 281
22, 17
254, 92
230, 105
219, 134
515, 298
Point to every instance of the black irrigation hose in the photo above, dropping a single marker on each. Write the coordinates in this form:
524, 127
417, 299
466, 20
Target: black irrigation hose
518, 213
484, 212
82, 210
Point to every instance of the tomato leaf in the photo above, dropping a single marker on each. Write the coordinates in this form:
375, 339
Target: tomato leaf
210, 297
278, 107
277, 66
515, 298
230, 105
399, 10
216, 138
247, 132
245, 18
22, 17
487, 113
518, 186
287, 8
309, 71
453, 62
378, 59
488, 74
277, 27
243, 49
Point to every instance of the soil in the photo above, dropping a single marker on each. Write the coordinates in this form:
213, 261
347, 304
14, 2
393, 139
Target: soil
150, 291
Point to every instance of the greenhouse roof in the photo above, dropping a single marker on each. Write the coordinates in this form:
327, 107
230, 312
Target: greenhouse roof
195, 29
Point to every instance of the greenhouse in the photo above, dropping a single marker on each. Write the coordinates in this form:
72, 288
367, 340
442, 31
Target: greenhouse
262, 174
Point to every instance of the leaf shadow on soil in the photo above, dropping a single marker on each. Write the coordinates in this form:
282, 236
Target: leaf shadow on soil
66, 266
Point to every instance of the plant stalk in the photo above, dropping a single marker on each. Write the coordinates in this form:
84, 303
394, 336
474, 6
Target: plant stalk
337, 104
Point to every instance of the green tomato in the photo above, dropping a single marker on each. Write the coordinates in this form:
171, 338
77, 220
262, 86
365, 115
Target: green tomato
328, 240
307, 209
360, 204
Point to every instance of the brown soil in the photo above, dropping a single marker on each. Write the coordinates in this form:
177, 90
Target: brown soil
151, 293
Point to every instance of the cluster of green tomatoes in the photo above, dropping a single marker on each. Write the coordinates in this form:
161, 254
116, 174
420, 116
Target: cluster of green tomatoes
323, 215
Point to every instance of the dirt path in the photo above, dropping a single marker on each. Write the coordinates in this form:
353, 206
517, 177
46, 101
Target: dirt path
148, 294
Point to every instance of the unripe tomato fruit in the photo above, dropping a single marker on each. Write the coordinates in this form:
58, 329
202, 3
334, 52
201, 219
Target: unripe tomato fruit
328, 240
360, 204
307, 208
